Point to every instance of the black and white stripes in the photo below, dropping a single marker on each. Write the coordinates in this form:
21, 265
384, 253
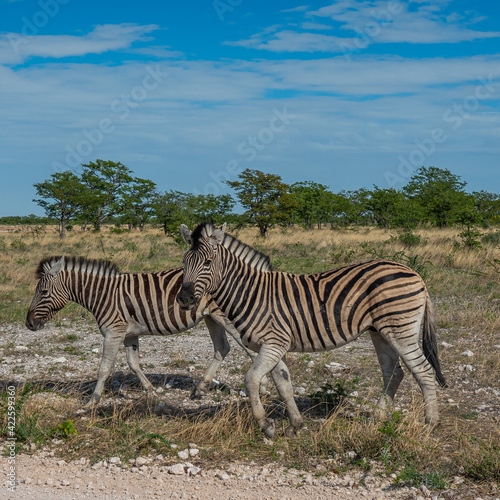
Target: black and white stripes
125, 307
277, 312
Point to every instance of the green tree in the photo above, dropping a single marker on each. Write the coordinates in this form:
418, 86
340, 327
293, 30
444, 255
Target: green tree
61, 197
137, 199
105, 183
211, 208
170, 209
487, 206
313, 203
265, 198
392, 208
438, 192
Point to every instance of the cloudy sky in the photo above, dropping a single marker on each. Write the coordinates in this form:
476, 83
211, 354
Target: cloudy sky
188, 94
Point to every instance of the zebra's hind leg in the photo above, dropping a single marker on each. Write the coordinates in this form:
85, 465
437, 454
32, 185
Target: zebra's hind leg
265, 361
392, 372
415, 360
132, 350
112, 341
281, 377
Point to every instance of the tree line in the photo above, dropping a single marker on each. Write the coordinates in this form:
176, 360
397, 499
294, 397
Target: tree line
107, 192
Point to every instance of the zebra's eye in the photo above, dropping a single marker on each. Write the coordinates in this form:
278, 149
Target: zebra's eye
45, 291
207, 262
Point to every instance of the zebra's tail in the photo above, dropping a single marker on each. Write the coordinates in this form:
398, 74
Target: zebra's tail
429, 342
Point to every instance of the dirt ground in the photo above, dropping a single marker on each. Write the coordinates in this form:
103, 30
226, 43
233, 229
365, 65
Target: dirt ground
70, 354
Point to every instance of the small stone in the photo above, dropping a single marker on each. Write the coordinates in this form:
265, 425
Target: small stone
194, 451
177, 469
115, 461
160, 457
467, 353
183, 455
21, 348
445, 344
193, 471
223, 476
141, 461
310, 364
59, 360
351, 455
95, 350
60, 463
65, 482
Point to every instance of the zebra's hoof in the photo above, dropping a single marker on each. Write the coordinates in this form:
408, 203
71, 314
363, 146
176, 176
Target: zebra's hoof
291, 431
269, 428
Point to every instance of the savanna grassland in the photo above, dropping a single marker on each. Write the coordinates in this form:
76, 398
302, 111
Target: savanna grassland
340, 431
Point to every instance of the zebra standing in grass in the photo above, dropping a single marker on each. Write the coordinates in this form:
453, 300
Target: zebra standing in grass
125, 306
276, 312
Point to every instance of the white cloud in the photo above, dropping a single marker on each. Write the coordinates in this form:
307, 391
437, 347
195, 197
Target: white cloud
368, 22
16, 47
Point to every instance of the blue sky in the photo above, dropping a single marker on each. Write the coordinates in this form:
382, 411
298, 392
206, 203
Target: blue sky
188, 94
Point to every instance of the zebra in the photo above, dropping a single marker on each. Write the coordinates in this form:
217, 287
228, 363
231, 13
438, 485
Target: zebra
277, 312
125, 306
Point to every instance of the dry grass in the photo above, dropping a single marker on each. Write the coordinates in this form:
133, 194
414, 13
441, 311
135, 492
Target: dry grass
464, 286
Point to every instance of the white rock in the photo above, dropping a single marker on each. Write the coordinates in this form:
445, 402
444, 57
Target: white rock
95, 349
466, 368
336, 367
59, 360
445, 344
65, 482
160, 457
224, 476
310, 364
194, 451
351, 455
300, 391
21, 348
193, 471
467, 353
115, 461
177, 469
141, 461
183, 455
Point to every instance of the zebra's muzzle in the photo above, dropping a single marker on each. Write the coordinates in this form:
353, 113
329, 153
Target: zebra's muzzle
186, 298
33, 323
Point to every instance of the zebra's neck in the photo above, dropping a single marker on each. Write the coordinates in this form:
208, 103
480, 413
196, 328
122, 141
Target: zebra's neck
90, 290
238, 280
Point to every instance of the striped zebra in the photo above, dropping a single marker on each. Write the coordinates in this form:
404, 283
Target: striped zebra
276, 312
125, 306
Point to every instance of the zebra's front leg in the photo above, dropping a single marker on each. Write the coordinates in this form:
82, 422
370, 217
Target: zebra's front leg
265, 361
221, 349
132, 350
281, 377
111, 344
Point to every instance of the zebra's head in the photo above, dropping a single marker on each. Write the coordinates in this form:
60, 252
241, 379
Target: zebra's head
201, 263
50, 296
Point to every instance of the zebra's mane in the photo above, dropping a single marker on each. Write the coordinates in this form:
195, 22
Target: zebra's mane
251, 256
79, 264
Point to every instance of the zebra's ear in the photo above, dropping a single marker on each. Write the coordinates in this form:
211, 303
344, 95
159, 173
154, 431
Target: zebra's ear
186, 234
217, 236
55, 269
